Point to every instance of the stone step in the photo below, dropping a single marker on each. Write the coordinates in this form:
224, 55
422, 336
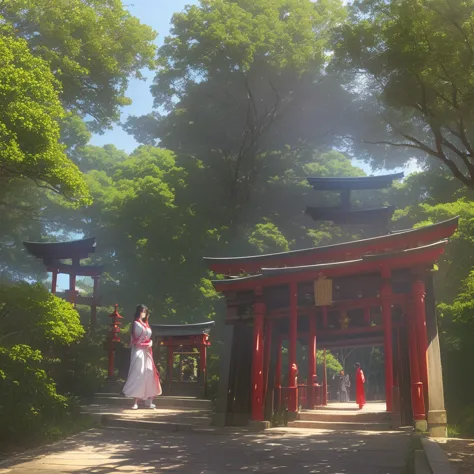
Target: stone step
130, 423
359, 417
161, 401
339, 426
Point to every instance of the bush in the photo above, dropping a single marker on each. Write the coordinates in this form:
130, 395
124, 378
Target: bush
29, 402
30, 315
79, 369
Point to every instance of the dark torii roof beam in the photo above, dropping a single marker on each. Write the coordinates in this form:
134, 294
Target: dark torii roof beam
176, 330
353, 184
76, 249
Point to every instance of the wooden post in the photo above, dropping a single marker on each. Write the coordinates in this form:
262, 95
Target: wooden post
113, 339
311, 362
278, 374
418, 294
386, 295
170, 367
72, 288
324, 400
94, 304
257, 361
292, 387
417, 399
266, 362
203, 366
54, 282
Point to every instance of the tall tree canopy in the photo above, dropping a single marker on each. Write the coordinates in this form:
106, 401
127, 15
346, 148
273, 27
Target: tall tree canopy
417, 57
246, 93
93, 49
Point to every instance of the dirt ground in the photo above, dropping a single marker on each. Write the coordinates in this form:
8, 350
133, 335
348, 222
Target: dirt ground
461, 454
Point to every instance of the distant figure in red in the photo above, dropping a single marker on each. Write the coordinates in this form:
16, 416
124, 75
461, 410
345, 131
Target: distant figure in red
360, 392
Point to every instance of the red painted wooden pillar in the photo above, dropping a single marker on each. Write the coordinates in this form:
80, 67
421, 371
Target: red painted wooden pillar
170, 366
54, 282
203, 365
72, 288
324, 397
94, 304
278, 374
418, 294
292, 384
417, 398
312, 362
386, 296
257, 361
266, 361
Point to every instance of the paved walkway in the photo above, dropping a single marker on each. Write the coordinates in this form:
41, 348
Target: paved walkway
105, 451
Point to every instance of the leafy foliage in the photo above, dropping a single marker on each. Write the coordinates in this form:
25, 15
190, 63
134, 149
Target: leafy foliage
92, 47
417, 57
29, 130
28, 397
30, 315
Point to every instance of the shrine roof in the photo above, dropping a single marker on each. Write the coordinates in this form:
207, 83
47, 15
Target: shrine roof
335, 252
406, 258
353, 183
352, 263
170, 330
61, 250
351, 216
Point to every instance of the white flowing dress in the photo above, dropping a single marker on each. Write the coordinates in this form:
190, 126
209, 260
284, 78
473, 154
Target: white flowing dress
143, 381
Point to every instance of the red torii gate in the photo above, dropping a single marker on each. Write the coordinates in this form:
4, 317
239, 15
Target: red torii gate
183, 339
75, 250
387, 275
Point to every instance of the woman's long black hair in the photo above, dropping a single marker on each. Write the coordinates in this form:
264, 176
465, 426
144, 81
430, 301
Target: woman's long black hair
139, 310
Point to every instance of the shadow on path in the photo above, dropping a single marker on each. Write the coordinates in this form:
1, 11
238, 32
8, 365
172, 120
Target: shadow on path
291, 451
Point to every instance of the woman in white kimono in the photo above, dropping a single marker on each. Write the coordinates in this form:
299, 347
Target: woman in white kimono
143, 381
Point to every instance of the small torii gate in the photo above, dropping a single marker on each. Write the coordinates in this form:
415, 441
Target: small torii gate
182, 339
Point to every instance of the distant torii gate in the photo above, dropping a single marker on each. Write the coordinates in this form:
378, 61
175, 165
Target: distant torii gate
53, 252
182, 339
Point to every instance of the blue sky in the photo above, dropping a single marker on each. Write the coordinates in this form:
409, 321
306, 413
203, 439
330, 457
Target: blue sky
157, 14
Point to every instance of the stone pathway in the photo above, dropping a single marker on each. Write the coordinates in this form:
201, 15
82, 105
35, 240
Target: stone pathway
105, 451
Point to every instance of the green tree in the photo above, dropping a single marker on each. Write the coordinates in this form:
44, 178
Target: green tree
29, 403
30, 315
93, 48
246, 95
416, 59
30, 110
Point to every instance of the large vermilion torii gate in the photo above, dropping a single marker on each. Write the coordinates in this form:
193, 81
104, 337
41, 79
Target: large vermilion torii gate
367, 292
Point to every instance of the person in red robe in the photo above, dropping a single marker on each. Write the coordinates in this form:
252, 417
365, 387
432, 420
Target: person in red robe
360, 392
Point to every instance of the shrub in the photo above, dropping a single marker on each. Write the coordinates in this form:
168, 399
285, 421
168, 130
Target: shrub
29, 402
30, 315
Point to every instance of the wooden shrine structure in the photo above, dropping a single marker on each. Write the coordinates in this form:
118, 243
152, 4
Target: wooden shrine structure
53, 254
345, 213
376, 291
184, 340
